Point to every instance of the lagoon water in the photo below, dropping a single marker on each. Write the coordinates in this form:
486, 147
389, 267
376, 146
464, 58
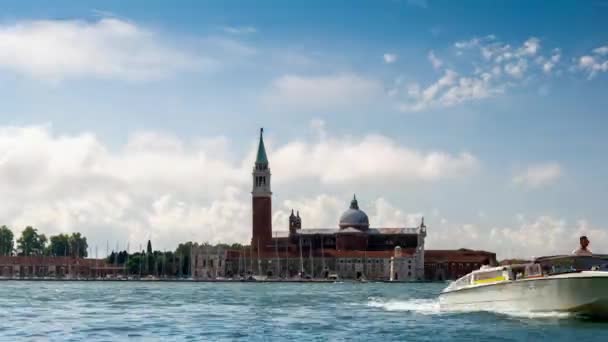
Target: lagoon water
154, 311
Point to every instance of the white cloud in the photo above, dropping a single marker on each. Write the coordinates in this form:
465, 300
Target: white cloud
321, 92
324, 211
172, 190
156, 186
239, 29
108, 48
602, 50
594, 63
390, 58
517, 69
367, 159
530, 47
451, 89
539, 175
498, 67
525, 238
549, 63
436, 62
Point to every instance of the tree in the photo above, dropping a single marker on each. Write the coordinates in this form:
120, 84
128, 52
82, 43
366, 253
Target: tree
149, 249
60, 245
78, 246
6, 241
30, 242
182, 253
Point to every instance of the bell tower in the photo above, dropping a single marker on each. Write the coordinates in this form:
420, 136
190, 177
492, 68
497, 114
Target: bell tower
261, 199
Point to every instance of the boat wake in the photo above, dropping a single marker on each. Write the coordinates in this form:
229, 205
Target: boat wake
415, 305
430, 306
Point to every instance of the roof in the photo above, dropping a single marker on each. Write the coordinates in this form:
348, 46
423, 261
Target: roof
261, 157
318, 231
405, 252
332, 231
280, 234
354, 217
458, 255
350, 230
50, 260
393, 231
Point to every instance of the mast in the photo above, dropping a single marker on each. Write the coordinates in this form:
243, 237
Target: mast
259, 262
97, 261
276, 252
312, 261
238, 268
322, 257
164, 261
301, 260
127, 261
286, 260
140, 260
365, 263
251, 257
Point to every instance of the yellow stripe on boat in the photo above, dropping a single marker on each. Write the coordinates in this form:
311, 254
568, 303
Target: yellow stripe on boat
490, 280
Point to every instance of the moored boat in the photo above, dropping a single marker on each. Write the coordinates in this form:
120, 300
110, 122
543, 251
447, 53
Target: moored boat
548, 285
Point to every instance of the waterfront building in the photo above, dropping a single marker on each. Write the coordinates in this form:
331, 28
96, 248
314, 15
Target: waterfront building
453, 264
17, 267
353, 249
208, 262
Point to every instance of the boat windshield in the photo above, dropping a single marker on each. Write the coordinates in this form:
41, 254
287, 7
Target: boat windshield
460, 283
533, 271
570, 263
489, 276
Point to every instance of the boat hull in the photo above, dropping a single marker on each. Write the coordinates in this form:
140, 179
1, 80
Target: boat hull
584, 292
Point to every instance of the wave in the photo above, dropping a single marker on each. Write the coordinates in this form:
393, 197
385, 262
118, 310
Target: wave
535, 314
425, 306
431, 306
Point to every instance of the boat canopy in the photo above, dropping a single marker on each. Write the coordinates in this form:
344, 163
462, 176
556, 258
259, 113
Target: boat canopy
572, 263
493, 275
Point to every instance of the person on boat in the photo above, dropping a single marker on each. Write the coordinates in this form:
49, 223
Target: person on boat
583, 250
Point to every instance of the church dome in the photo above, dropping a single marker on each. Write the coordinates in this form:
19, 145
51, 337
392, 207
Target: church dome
354, 217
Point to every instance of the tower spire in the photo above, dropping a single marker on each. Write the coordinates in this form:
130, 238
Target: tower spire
261, 158
261, 199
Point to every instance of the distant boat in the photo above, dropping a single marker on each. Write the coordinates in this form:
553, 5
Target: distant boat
333, 276
259, 278
547, 285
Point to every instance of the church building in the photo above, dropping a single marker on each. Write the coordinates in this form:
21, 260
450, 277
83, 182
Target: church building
352, 249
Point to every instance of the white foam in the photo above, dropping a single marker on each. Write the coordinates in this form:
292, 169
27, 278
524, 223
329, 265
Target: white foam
536, 314
417, 305
431, 306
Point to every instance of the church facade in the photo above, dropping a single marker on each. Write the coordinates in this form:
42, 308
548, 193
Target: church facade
353, 249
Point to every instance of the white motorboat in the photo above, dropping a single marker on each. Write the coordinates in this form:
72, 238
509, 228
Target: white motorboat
544, 286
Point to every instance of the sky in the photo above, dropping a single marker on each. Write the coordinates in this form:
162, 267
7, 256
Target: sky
136, 120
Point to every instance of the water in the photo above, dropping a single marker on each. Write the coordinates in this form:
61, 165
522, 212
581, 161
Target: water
110, 311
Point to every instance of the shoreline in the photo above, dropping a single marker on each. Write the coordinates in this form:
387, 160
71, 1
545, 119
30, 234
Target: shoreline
322, 281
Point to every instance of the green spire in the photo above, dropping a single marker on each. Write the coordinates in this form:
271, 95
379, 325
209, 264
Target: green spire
261, 158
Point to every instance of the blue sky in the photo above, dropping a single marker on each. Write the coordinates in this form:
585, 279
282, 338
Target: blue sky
486, 117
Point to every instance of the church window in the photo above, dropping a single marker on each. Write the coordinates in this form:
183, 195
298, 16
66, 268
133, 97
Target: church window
211, 263
204, 263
